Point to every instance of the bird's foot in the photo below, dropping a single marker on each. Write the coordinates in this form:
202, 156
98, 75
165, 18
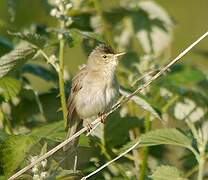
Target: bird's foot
89, 127
102, 118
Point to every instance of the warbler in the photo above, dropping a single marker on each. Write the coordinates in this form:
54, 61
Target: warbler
94, 89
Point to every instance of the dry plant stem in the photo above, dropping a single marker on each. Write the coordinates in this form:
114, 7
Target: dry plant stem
113, 160
144, 76
61, 78
98, 120
49, 153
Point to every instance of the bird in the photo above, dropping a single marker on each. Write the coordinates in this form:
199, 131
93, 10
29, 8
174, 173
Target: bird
94, 90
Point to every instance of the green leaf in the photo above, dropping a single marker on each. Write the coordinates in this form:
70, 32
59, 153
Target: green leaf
54, 131
9, 88
184, 76
142, 103
165, 136
167, 172
40, 71
77, 36
3, 136
155, 34
120, 128
14, 151
32, 38
16, 57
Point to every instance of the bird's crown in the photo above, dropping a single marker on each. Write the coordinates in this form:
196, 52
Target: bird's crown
104, 49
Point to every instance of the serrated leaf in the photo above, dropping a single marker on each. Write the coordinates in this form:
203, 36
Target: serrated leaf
40, 71
22, 53
13, 151
142, 103
167, 136
9, 87
32, 38
54, 131
77, 36
167, 172
155, 33
184, 76
120, 128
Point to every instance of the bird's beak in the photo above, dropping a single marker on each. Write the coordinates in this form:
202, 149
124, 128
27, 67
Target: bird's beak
119, 54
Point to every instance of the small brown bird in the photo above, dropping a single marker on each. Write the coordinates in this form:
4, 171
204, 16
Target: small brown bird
94, 89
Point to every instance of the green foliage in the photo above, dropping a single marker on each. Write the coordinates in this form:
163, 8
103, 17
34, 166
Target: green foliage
141, 102
165, 136
9, 88
16, 57
58, 39
32, 38
52, 131
40, 71
14, 151
167, 172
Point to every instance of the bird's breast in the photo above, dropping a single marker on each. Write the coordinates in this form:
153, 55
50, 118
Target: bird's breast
97, 95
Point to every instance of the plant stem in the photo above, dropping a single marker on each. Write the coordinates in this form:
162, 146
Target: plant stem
61, 77
135, 154
201, 160
146, 150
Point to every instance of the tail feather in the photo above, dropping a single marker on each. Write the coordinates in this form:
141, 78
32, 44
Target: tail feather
75, 126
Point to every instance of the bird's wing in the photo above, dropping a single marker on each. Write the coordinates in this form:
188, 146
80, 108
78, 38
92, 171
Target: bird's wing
74, 123
76, 86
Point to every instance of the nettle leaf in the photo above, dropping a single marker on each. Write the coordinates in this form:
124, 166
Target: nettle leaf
14, 151
53, 131
3, 136
77, 36
142, 103
32, 38
120, 128
155, 33
184, 76
165, 136
167, 172
9, 88
23, 52
40, 71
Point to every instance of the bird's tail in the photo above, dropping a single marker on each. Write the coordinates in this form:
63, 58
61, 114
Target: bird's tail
74, 126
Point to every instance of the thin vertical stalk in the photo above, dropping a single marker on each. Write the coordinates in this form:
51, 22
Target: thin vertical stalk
201, 161
135, 154
145, 150
61, 77
6, 122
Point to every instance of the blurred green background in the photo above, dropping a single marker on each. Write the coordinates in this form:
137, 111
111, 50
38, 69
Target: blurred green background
184, 87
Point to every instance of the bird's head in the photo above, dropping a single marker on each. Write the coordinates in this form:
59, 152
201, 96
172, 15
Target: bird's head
104, 56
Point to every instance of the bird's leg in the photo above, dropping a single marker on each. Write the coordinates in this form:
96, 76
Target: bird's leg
89, 126
102, 117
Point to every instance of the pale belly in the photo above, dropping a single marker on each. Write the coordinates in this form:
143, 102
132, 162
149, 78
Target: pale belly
94, 100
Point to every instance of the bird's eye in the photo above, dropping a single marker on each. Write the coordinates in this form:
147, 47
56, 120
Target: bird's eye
104, 56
